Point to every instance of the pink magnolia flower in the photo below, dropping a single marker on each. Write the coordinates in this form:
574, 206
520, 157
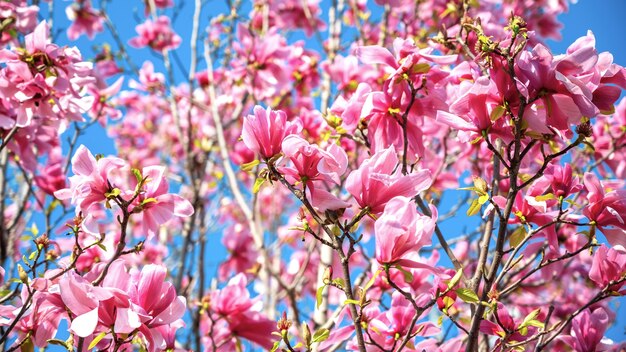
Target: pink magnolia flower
313, 167
562, 182
588, 331
506, 329
606, 209
262, 62
243, 317
158, 35
409, 60
44, 80
608, 264
379, 179
387, 325
85, 20
401, 232
264, 132
155, 204
96, 308
475, 111
91, 180
156, 302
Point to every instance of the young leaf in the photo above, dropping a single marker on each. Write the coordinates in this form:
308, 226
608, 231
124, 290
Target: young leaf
96, 340
517, 236
321, 335
474, 208
467, 295
319, 295
257, 185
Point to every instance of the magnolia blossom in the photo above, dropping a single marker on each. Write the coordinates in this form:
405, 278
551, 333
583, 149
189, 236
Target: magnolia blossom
379, 179
92, 179
609, 264
588, 331
238, 316
401, 232
85, 20
265, 131
606, 209
313, 167
155, 204
157, 34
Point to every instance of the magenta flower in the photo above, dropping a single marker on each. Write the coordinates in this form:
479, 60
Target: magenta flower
506, 328
401, 232
94, 308
155, 204
85, 20
158, 35
606, 209
378, 180
588, 330
264, 132
313, 167
562, 182
608, 264
91, 179
243, 317
156, 302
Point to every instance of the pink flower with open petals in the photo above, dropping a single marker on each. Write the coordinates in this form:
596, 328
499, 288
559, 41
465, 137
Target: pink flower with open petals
243, 316
609, 264
606, 209
313, 167
588, 330
156, 205
379, 179
402, 231
156, 301
265, 131
91, 179
158, 35
85, 20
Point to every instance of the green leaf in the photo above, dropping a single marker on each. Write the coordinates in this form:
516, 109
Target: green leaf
455, 279
148, 200
408, 277
137, 174
474, 208
114, 193
531, 317
321, 335
32, 256
545, 197
497, 113
249, 166
371, 281
467, 295
483, 199
96, 340
257, 185
351, 301
339, 282
275, 347
517, 236
319, 295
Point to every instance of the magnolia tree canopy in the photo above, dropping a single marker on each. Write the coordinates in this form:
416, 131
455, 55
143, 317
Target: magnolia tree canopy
391, 175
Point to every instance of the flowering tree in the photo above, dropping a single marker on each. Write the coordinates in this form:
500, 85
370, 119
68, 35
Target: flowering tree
329, 168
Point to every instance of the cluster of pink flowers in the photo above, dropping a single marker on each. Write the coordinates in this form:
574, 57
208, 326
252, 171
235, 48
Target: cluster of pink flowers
109, 179
126, 303
345, 164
